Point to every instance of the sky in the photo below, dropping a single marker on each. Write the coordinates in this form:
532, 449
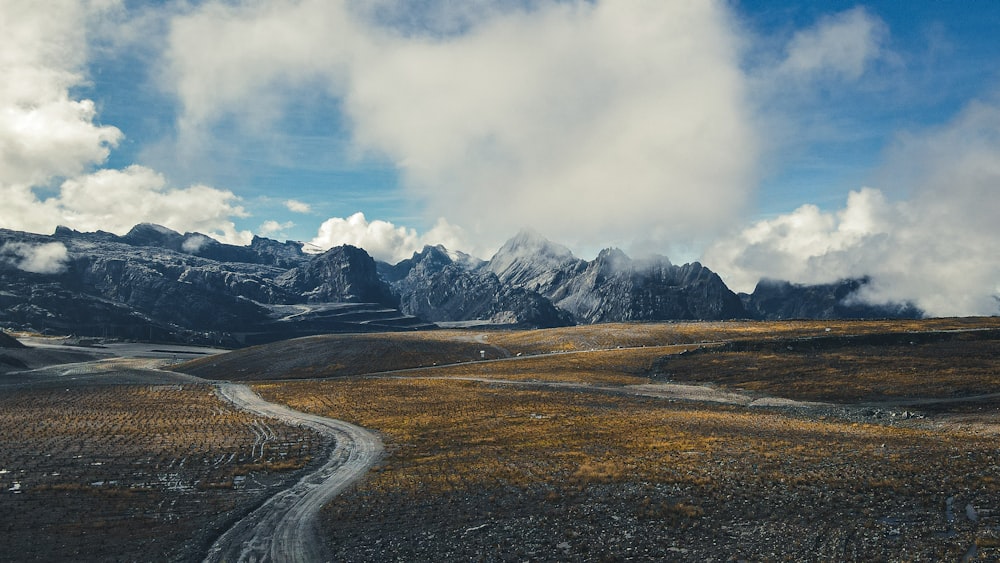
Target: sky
805, 141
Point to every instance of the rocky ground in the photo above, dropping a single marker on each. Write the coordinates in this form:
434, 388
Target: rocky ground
727, 521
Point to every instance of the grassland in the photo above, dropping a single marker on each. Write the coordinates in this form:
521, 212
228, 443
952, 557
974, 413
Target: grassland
504, 472
849, 372
131, 472
532, 445
487, 469
341, 355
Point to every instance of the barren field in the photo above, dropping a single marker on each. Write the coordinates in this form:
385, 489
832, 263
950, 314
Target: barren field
826, 441
133, 472
890, 469
338, 355
485, 469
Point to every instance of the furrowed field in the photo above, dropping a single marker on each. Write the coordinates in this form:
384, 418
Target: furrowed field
131, 472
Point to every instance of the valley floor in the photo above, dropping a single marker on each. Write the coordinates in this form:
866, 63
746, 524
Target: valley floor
804, 441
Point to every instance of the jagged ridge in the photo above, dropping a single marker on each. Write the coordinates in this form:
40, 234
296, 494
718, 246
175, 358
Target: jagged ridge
155, 283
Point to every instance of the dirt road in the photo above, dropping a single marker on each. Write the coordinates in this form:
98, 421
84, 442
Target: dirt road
285, 527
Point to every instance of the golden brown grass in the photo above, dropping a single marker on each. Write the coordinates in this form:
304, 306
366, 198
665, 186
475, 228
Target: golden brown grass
612, 335
342, 355
598, 367
850, 374
446, 435
541, 462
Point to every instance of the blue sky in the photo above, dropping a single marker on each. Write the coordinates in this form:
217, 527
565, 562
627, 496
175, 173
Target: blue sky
806, 141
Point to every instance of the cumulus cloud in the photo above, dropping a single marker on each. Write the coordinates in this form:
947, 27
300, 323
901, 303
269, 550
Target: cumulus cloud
935, 246
116, 200
384, 240
45, 133
48, 258
271, 228
50, 141
297, 206
592, 120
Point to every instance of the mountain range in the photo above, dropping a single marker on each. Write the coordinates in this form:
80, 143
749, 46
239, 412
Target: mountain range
157, 284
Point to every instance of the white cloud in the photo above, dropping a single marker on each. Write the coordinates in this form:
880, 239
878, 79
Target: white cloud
48, 258
271, 227
116, 200
297, 206
936, 247
43, 132
50, 140
383, 240
195, 243
842, 45
594, 121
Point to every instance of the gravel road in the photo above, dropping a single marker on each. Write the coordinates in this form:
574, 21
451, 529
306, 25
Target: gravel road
285, 527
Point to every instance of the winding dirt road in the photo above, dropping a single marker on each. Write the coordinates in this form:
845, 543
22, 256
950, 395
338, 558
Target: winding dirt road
285, 527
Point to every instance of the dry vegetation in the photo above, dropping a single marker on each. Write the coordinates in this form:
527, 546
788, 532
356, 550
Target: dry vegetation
597, 367
133, 472
613, 335
341, 355
494, 471
963, 366
487, 470
338, 355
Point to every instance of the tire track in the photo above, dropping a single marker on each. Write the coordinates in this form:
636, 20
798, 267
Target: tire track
285, 527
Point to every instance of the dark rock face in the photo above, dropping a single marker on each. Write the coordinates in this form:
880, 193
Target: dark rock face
260, 250
775, 300
7, 341
153, 284
341, 274
531, 262
532, 281
437, 288
614, 287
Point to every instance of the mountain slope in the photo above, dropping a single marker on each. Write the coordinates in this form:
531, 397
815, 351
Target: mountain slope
438, 288
152, 284
775, 300
613, 287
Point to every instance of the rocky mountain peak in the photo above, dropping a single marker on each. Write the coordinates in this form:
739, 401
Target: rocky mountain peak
531, 243
612, 261
529, 260
148, 234
343, 273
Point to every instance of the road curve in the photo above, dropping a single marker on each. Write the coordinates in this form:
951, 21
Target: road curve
285, 527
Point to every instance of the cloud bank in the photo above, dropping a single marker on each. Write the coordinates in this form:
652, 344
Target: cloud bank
631, 122
597, 120
936, 246
51, 147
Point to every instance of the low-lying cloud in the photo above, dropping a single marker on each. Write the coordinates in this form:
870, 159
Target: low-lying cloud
934, 246
47, 258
